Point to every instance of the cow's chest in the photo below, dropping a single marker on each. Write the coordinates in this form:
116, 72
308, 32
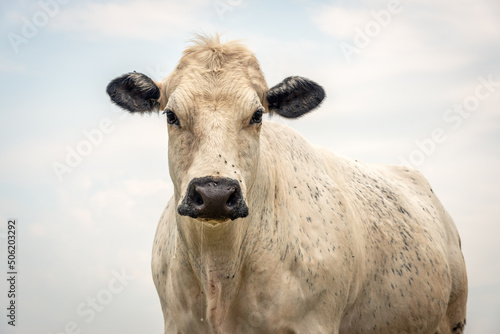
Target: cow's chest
248, 302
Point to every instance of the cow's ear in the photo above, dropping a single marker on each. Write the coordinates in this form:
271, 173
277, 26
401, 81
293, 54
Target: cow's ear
135, 92
294, 97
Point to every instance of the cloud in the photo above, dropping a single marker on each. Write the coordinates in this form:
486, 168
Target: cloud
469, 20
401, 61
11, 66
146, 188
147, 20
340, 22
434, 36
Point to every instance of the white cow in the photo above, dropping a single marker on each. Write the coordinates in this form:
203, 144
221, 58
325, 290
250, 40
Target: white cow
266, 233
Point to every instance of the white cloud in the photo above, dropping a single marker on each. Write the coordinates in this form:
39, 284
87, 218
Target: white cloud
474, 22
9, 66
437, 36
37, 230
421, 42
149, 20
111, 197
146, 188
280, 58
340, 22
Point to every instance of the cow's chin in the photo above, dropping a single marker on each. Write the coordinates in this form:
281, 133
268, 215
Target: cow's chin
214, 222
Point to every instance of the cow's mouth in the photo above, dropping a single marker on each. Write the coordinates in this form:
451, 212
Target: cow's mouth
213, 200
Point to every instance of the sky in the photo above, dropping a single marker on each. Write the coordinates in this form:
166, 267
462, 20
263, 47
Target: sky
407, 82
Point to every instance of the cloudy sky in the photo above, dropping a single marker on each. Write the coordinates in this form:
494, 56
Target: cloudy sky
408, 82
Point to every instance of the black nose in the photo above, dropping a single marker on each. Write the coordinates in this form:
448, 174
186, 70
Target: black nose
213, 198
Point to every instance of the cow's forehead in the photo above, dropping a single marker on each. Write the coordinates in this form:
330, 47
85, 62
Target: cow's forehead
212, 71
235, 98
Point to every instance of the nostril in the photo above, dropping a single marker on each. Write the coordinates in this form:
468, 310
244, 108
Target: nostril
233, 197
232, 200
197, 198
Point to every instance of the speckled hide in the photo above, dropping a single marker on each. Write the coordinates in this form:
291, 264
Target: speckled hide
327, 245
332, 245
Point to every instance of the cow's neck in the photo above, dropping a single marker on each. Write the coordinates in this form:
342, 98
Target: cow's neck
216, 254
213, 248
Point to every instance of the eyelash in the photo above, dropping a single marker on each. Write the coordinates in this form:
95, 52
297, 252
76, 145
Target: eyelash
171, 117
257, 117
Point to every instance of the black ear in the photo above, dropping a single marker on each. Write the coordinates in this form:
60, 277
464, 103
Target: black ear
294, 96
134, 92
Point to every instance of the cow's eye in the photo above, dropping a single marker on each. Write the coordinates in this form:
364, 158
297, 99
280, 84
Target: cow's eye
171, 117
257, 117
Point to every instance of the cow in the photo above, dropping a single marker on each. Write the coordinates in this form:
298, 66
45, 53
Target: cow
267, 233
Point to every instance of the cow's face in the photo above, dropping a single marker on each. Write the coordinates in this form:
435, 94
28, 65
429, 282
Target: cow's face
213, 104
214, 126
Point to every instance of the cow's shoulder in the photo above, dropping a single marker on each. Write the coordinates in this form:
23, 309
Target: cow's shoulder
354, 173
407, 176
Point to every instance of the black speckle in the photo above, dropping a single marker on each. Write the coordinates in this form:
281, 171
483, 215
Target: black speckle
402, 210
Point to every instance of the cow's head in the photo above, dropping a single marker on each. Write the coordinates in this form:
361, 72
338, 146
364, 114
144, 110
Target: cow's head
213, 103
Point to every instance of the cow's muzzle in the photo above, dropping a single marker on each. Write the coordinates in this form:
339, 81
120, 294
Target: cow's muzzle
213, 199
